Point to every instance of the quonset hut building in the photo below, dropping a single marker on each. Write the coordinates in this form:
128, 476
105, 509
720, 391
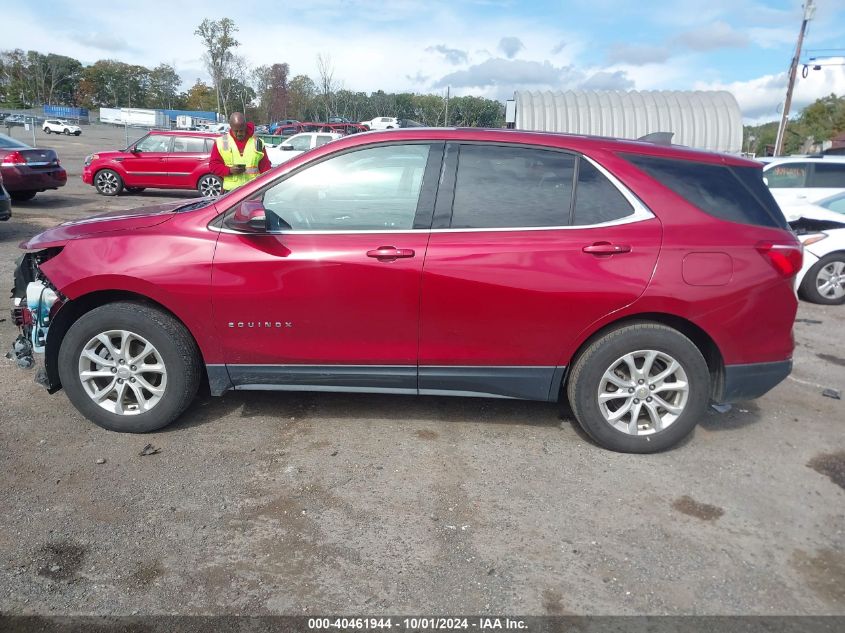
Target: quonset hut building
709, 120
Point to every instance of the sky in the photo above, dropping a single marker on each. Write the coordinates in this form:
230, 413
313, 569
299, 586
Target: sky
486, 48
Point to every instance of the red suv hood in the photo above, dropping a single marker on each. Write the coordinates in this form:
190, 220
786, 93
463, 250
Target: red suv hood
104, 223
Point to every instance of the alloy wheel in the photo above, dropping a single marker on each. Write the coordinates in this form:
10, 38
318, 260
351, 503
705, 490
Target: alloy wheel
106, 182
210, 187
122, 372
643, 392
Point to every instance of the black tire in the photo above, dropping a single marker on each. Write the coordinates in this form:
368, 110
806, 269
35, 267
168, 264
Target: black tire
108, 182
809, 288
47, 130
66, 132
209, 184
22, 196
173, 342
585, 380
77, 133
135, 189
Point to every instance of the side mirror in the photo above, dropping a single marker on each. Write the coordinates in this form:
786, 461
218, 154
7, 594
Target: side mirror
249, 217
134, 150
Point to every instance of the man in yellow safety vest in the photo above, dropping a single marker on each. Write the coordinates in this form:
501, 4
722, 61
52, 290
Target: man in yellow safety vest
238, 157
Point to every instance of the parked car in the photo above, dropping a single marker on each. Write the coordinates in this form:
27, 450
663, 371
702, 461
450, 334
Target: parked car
15, 120
5, 202
799, 179
382, 123
821, 229
634, 281
60, 126
277, 124
159, 160
338, 119
27, 170
297, 144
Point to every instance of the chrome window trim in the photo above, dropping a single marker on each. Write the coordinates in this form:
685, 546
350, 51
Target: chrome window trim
640, 214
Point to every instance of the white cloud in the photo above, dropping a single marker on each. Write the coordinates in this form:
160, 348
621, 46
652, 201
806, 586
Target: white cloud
637, 54
713, 36
760, 99
510, 46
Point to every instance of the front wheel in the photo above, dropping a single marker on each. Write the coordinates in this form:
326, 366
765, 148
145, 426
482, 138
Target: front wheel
47, 130
66, 132
108, 182
825, 281
77, 133
210, 186
129, 367
639, 389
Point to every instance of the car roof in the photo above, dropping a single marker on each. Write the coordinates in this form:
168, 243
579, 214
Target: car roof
199, 134
559, 140
823, 158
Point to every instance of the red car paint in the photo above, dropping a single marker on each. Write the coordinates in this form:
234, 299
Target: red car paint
516, 298
173, 169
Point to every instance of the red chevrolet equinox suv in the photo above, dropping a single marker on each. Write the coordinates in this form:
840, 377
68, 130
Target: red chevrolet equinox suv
634, 281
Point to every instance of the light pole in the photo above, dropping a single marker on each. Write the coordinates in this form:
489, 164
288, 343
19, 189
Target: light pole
809, 11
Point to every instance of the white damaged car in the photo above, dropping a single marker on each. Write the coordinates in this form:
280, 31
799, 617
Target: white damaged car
821, 228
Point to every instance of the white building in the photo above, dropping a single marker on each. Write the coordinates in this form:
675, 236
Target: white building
708, 120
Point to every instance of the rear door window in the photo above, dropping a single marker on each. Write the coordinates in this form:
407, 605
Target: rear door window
189, 145
597, 200
831, 175
512, 187
713, 188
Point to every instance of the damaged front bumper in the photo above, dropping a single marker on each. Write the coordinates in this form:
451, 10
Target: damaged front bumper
34, 304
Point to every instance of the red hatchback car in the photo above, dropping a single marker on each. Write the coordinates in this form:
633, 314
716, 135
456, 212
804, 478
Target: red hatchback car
637, 282
159, 160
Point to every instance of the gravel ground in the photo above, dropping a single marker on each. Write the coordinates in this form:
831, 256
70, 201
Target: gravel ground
270, 503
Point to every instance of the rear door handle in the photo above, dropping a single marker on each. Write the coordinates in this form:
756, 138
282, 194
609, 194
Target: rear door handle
390, 253
606, 248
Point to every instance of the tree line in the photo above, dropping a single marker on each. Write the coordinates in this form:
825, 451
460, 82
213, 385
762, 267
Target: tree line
820, 121
266, 93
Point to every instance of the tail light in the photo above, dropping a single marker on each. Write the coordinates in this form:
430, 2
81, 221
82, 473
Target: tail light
14, 158
785, 258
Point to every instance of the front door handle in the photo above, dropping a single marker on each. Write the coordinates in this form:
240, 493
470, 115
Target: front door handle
606, 248
390, 253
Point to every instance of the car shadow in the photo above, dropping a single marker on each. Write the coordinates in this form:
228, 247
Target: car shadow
741, 415
340, 406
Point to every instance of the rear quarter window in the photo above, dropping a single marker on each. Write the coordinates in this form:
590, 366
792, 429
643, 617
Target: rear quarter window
735, 194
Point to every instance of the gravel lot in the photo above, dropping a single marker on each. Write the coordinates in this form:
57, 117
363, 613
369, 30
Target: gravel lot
331, 503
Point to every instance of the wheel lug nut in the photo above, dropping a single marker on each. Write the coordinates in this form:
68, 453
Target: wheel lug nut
122, 362
120, 381
636, 401
630, 390
641, 381
648, 399
133, 368
114, 370
651, 387
133, 380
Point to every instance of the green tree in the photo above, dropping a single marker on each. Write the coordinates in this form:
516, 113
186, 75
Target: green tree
218, 38
164, 87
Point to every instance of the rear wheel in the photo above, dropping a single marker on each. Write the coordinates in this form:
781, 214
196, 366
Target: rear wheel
47, 130
639, 389
77, 133
66, 132
210, 186
129, 367
22, 196
108, 182
825, 281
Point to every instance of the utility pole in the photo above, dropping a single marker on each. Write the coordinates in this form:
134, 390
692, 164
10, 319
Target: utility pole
446, 120
809, 11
